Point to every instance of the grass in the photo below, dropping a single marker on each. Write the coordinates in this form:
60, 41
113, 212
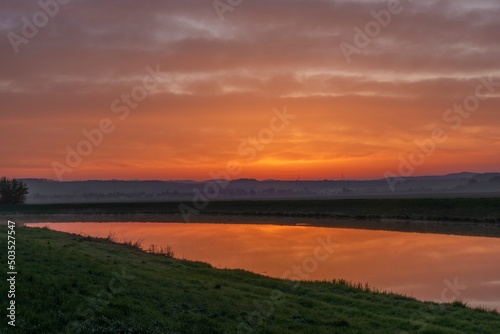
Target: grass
440, 209
165, 250
74, 284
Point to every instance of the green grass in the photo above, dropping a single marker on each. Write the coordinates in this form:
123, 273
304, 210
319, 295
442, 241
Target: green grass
93, 285
443, 209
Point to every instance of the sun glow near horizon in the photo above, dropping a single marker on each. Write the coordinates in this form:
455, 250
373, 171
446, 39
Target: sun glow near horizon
178, 93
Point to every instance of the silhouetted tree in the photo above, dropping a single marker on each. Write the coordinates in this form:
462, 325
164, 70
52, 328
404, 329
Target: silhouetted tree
12, 191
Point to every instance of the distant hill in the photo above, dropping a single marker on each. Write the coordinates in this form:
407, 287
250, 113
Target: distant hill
446, 177
458, 184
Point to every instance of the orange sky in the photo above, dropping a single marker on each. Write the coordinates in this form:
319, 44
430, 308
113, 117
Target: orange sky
218, 81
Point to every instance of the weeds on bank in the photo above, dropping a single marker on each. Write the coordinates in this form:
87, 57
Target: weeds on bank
165, 250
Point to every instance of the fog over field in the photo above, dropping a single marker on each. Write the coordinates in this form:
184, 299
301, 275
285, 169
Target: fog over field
461, 184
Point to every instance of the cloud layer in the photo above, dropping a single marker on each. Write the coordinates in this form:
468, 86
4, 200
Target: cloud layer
221, 78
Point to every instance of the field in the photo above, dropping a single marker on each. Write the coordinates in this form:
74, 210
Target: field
69, 283
437, 209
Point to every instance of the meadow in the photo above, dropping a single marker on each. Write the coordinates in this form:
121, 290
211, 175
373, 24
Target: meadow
437, 209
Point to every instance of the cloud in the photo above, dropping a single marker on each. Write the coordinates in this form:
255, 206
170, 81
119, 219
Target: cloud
222, 78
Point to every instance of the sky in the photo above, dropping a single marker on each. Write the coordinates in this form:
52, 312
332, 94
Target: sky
316, 89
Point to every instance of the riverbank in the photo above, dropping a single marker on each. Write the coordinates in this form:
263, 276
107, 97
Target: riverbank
77, 283
459, 216
483, 229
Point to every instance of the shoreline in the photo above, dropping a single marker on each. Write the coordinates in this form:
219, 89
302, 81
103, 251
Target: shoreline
458, 216
396, 225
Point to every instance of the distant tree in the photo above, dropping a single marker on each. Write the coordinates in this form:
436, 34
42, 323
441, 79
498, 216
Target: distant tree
473, 182
12, 191
495, 179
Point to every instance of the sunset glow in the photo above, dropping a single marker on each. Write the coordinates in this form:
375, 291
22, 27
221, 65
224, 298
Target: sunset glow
176, 90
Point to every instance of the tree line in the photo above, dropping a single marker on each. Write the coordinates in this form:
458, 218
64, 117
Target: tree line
12, 191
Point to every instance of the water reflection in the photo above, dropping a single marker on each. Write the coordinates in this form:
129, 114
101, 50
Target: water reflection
425, 266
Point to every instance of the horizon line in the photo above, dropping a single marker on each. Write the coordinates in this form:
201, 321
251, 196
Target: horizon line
254, 179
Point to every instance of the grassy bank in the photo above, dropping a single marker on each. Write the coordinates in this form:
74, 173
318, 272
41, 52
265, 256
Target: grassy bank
74, 283
439, 209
